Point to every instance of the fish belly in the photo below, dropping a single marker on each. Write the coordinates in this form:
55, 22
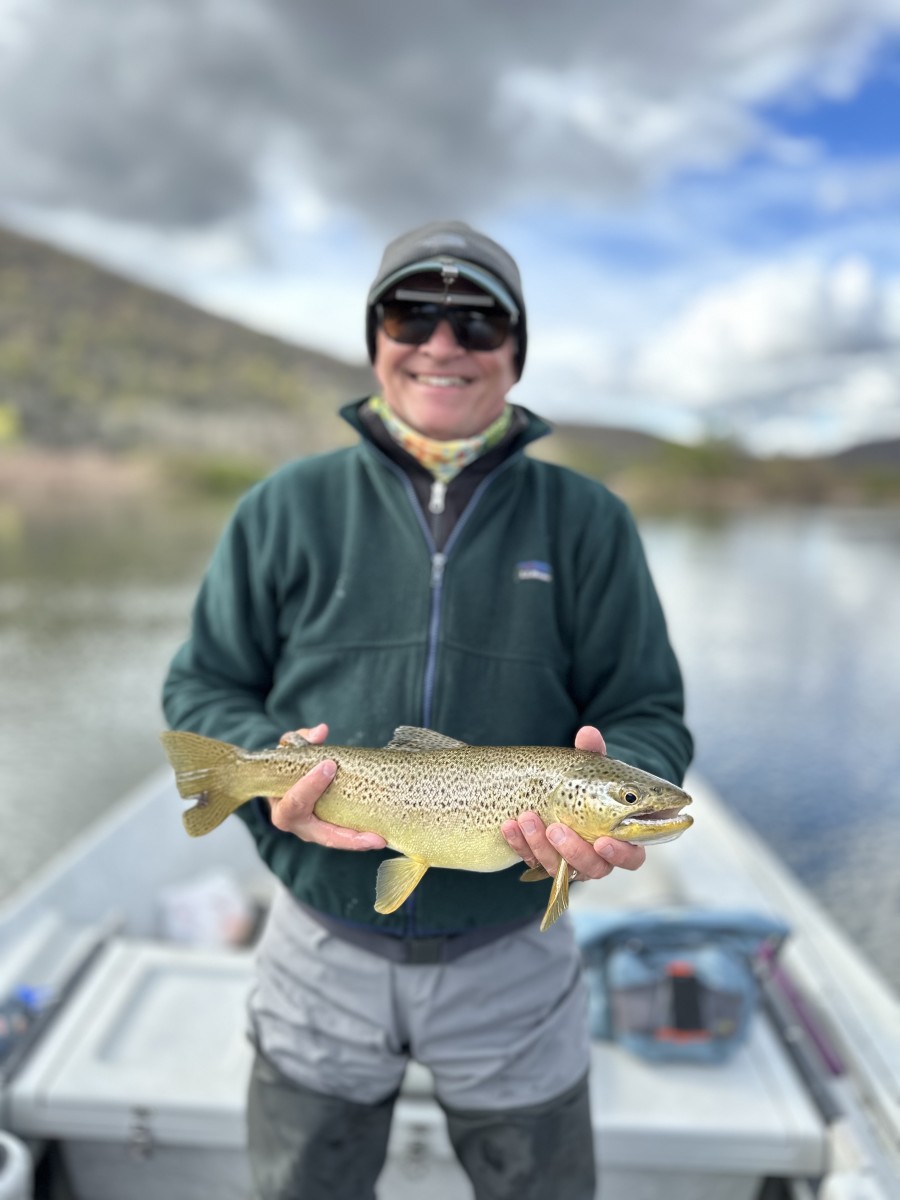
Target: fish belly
485, 851
448, 835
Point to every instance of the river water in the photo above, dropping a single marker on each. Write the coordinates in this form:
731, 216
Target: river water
787, 624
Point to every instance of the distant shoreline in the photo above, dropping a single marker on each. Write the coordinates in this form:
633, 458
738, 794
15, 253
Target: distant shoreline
47, 479
50, 481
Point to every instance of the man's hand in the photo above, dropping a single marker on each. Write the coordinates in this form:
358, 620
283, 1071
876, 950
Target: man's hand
541, 845
293, 813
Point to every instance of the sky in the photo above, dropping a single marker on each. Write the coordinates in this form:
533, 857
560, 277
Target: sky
703, 197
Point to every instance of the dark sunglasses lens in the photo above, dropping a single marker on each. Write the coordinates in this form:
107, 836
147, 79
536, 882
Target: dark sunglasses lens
413, 324
477, 330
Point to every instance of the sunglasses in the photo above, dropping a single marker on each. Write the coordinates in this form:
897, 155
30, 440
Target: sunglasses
473, 328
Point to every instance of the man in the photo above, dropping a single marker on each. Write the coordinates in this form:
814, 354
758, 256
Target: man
431, 575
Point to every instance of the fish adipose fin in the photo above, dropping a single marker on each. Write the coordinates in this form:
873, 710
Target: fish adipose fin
410, 737
559, 896
294, 739
203, 767
397, 879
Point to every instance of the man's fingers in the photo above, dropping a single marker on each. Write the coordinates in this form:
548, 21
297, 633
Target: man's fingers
579, 854
337, 837
590, 738
516, 839
293, 813
305, 793
298, 802
537, 850
625, 855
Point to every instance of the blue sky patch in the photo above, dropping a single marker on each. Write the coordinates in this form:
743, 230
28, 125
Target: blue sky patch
856, 126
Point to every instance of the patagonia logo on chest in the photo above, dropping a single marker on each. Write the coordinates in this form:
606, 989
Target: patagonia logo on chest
541, 572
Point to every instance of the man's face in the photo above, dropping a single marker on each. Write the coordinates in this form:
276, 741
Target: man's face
439, 388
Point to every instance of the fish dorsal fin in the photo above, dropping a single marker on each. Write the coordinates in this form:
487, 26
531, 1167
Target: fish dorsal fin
410, 737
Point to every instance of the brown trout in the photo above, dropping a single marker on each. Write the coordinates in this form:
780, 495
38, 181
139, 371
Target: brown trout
437, 801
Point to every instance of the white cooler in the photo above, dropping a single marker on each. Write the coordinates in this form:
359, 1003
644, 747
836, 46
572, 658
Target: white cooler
702, 1131
143, 1076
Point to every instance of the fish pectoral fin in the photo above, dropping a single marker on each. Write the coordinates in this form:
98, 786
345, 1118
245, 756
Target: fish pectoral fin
534, 875
411, 737
397, 879
559, 896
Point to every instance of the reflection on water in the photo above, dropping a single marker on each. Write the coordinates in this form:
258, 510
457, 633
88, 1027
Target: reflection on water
787, 625
90, 611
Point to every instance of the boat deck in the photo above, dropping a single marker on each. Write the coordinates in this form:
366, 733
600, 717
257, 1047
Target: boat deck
141, 1075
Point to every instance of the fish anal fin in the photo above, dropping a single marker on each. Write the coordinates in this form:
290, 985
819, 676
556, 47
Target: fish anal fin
397, 879
559, 896
411, 737
534, 875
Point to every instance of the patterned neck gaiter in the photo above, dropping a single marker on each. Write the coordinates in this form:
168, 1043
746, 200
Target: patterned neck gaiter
444, 460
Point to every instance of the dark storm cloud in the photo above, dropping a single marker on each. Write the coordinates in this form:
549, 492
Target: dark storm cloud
172, 111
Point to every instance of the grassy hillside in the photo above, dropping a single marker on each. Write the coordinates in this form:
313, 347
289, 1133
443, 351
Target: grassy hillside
91, 362
90, 359
652, 474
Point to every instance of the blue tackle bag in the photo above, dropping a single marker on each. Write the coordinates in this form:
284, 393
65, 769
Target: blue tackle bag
675, 984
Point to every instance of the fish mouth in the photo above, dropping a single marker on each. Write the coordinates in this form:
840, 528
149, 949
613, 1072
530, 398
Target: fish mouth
661, 825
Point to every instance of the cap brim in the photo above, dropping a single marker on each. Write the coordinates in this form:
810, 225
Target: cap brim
465, 270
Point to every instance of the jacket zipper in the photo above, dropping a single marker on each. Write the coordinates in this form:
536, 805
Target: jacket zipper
438, 563
439, 560
437, 498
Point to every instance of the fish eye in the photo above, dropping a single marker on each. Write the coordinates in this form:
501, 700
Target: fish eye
630, 798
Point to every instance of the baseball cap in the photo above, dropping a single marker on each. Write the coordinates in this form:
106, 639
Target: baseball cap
453, 250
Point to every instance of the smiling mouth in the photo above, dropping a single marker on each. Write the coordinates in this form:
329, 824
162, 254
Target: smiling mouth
442, 381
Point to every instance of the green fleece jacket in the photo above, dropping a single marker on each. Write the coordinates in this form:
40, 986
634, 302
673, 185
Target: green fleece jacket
326, 601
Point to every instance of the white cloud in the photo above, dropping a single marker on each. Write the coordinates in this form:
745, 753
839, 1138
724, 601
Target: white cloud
630, 137
159, 256
330, 311
777, 316
849, 186
891, 305
173, 114
793, 357
860, 403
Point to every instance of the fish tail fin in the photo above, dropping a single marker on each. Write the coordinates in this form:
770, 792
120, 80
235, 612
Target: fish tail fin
204, 768
559, 896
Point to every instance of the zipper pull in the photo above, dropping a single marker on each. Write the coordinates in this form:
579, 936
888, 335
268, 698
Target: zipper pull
438, 495
437, 569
